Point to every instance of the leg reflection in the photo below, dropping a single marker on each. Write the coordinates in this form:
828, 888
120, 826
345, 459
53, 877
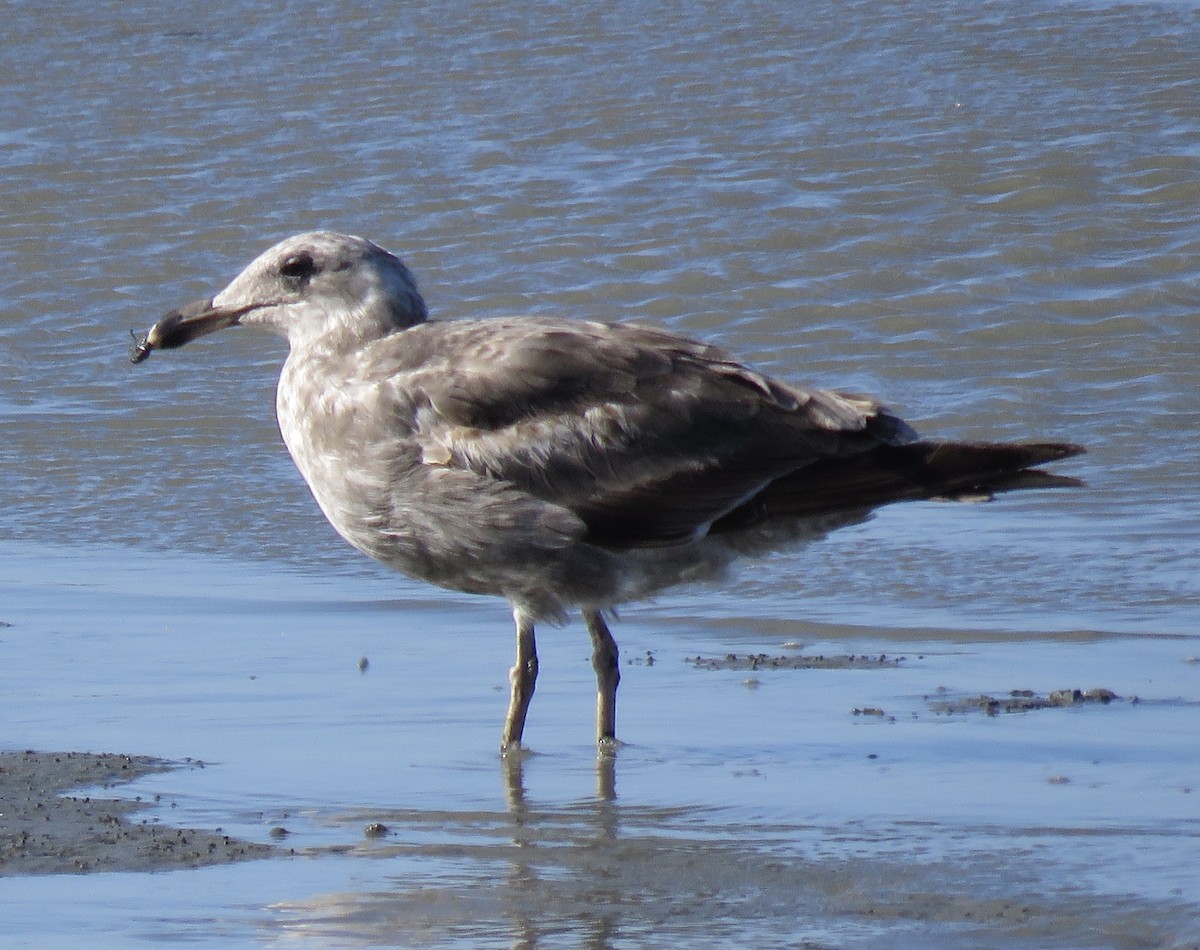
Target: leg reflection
512, 769
606, 773
565, 863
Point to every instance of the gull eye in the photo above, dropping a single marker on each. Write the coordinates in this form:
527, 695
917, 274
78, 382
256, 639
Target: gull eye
298, 268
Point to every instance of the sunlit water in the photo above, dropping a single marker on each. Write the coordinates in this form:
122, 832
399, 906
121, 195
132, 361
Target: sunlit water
987, 214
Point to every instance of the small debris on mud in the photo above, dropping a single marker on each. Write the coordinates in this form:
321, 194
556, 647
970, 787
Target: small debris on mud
1022, 700
761, 661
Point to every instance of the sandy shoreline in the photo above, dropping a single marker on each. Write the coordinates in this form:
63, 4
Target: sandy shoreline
43, 831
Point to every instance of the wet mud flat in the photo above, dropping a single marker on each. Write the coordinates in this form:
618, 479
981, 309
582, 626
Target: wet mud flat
44, 831
1025, 700
637, 873
941, 703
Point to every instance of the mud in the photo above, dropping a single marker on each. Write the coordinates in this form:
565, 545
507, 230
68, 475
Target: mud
43, 831
761, 661
1024, 700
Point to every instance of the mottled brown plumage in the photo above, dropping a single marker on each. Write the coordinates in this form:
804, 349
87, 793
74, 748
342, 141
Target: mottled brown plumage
561, 464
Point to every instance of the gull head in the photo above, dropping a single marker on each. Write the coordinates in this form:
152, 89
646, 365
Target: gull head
320, 288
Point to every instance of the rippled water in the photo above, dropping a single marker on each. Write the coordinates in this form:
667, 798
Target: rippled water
989, 214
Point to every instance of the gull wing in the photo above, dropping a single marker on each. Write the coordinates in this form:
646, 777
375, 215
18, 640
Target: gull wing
646, 437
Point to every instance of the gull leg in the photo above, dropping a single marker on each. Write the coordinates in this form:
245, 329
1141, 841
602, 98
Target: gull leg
523, 679
608, 676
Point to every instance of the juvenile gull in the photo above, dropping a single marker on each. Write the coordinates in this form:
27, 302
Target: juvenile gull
561, 464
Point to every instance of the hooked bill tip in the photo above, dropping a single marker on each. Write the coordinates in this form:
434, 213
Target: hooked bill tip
141, 349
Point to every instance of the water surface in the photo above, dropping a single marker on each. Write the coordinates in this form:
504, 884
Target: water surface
986, 214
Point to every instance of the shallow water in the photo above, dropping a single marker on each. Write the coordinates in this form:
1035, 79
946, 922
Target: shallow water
985, 214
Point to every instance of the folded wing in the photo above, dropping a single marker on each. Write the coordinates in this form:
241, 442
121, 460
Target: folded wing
648, 438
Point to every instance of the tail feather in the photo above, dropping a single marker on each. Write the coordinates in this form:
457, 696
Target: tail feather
913, 471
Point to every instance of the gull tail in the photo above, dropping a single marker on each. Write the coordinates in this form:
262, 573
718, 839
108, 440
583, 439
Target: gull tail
959, 471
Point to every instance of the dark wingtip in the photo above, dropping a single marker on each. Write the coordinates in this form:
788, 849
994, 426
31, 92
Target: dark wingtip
1015, 466
1032, 478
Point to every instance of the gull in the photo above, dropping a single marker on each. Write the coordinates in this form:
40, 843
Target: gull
562, 464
